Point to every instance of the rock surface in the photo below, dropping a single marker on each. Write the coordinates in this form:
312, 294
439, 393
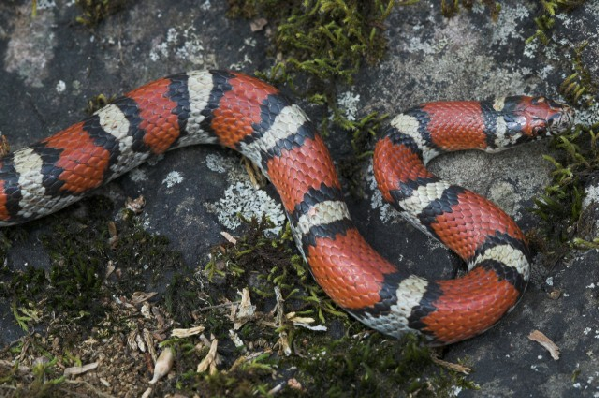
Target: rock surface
50, 66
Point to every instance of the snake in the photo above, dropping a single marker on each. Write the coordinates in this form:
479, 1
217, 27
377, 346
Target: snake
241, 112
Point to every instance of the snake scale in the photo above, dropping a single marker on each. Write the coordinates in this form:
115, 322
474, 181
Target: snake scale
241, 112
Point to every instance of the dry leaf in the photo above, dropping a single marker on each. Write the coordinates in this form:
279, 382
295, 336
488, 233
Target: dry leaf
276, 389
258, 24
244, 311
150, 344
182, 333
132, 340
109, 269
230, 238
254, 173
316, 328
236, 340
76, 370
163, 365
15, 366
450, 365
211, 360
554, 294
299, 319
4, 146
136, 205
147, 393
305, 322
283, 343
549, 345
140, 297
296, 385
114, 237
141, 344
145, 311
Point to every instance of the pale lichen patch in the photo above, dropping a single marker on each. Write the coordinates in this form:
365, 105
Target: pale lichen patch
184, 44
242, 199
173, 178
45, 4
31, 45
217, 163
387, 213
505, 196
138, 174
349, 101
507, 24
591, 195
587, 116
61, 86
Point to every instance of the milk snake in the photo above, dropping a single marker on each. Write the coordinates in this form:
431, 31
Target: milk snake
241, 112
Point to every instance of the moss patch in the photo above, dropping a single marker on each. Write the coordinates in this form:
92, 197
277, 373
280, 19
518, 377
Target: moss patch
546, 20
577, 156
81, 249
321, 44
93, 12
106, 320
450, 7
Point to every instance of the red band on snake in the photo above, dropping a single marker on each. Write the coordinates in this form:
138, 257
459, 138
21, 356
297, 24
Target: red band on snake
241, 112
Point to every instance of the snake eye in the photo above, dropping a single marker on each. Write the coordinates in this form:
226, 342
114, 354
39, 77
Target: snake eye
539, 130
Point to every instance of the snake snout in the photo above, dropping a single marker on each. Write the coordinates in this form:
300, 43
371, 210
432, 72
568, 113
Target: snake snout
545, 116
561, 120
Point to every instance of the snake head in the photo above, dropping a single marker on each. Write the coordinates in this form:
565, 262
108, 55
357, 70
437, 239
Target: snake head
539, 116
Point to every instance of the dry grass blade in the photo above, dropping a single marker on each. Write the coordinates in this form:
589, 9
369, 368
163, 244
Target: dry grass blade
548, 344
450, 365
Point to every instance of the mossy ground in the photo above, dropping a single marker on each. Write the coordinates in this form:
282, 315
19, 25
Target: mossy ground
566, 224
547, 19
90, 308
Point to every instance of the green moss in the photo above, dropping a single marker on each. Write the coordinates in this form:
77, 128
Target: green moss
575, 375
33, 8
9, 236
348, 367
44, 378
75, 285
181, 297
577, 156
546, 21
451, 7
373, 367
326, 39
560, 207
98, 102
321, 44
94, 11
229, 384
579, 87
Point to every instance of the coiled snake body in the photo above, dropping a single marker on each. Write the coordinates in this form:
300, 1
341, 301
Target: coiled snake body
241, 112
